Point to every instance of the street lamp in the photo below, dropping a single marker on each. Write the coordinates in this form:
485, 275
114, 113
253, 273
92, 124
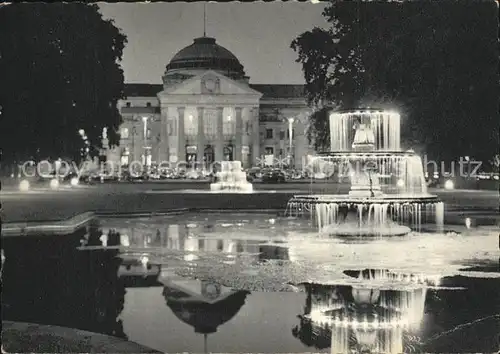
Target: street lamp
467, 159
86, 149
291, 120
145, 136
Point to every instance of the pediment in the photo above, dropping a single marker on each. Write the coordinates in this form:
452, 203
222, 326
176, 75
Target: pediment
211, 83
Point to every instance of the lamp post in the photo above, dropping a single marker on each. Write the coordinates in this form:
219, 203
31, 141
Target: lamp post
145, 137
467, 158
87, 143
291, 120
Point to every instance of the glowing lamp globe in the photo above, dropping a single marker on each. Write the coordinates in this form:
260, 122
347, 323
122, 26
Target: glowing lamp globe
401, 183
54, 183
449, 184
74, 181
24, 186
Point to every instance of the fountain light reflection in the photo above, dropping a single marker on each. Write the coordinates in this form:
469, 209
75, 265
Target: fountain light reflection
366, 320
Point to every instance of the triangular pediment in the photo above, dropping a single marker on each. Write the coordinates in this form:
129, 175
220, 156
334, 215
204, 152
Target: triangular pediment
211, 83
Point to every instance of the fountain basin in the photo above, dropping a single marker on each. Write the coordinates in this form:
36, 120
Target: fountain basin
355, 230
231, 187
353, 199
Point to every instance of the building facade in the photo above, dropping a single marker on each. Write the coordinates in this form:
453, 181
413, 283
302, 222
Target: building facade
206, 111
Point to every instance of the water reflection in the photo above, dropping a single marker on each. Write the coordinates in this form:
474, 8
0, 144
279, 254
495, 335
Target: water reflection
47, 280
361, 318
194, 240
203, 305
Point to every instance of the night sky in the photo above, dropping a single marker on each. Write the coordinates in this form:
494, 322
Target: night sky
259, 34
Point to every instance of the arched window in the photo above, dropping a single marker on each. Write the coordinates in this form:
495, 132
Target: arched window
125, 158
190, 125
210, 122
229, 125
228, 153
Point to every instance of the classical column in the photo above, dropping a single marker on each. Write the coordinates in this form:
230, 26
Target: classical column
219, 144
255, 136
201, 135
238, 134
163, 144
181, 136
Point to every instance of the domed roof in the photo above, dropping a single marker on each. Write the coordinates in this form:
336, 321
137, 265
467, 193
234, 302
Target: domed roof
202, 316
205, 53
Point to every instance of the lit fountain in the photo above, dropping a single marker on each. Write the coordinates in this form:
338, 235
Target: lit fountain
367, 144
231, 178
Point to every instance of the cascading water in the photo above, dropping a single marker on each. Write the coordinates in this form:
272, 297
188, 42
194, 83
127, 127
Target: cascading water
388, 192
231, 178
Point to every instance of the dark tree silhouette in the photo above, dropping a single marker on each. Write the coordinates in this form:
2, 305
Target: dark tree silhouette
436, 62
60, 71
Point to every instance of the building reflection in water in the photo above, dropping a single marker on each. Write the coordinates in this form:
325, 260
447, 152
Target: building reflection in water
361, 318
203, 305
195, 238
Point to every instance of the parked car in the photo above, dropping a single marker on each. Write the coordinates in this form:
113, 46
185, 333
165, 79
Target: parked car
250, 178
273, 176
254, 172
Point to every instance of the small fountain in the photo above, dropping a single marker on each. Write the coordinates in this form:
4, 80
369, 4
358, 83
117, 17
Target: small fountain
231, 178
366, 143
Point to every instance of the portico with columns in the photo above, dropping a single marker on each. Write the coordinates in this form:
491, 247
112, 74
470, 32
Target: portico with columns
205, 127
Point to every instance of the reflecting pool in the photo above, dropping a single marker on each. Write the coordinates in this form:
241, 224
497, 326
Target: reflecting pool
254, 282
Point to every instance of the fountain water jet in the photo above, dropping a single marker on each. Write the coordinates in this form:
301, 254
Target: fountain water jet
366, 143
231, 178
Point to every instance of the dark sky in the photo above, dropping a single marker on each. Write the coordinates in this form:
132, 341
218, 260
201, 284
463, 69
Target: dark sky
259, 34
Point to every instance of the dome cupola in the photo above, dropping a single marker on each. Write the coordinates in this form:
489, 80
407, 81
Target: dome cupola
205, 54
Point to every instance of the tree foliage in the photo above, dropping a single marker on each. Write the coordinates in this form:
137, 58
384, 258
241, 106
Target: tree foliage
436, 62
60, 71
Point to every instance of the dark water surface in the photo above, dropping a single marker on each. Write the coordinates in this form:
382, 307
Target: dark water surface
126, 293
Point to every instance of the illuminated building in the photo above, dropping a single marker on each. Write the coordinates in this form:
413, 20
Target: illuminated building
206, 110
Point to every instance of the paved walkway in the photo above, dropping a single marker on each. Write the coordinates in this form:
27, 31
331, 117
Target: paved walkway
20, 337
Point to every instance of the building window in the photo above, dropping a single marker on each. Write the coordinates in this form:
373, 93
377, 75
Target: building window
148, 104
269, 151
288, 134
124, 133
229, 126
125, 158
210, 122
191, 152
127, 104
282, 135
190, 125
281, 152
269, 133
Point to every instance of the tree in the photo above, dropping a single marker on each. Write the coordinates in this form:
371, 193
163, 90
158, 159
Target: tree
436, 62
60, 71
